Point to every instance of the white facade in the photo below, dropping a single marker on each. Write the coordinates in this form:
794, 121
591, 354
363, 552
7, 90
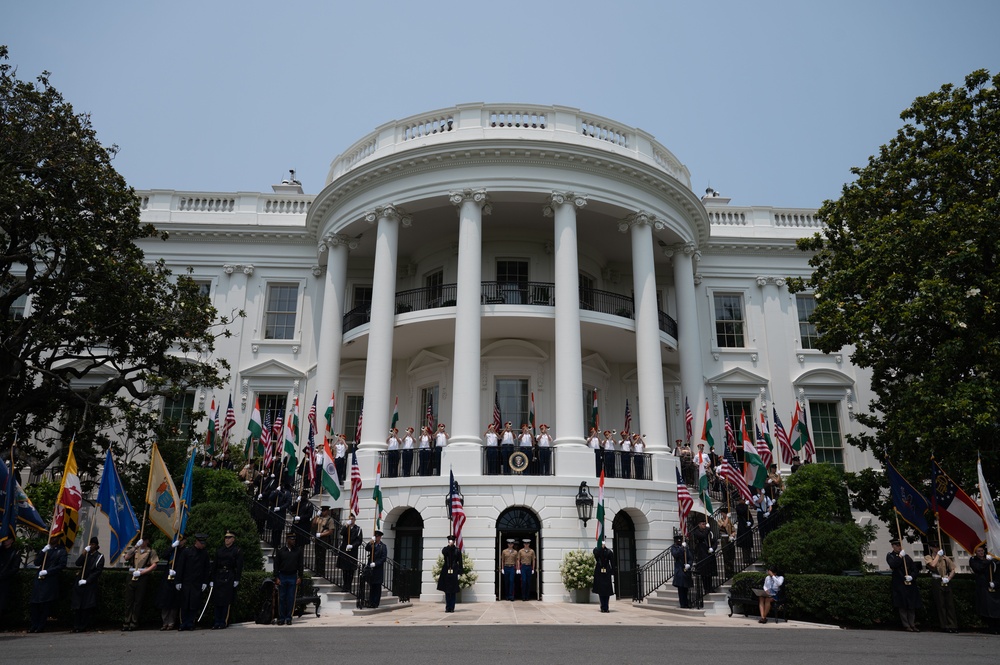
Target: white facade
536, 245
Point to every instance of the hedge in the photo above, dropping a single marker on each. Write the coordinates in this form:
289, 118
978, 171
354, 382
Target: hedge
110, 611
861, 601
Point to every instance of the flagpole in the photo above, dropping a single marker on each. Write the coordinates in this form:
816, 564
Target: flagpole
86, 554
899, 534
55, 508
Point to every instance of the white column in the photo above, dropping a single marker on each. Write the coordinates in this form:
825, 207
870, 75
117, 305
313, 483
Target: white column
649, 362
331, 332
465, 410
568, 353
378, 370
688, 338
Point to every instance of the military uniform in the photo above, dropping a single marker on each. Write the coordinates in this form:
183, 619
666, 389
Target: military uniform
508, 565
142, 560
604, 575
526, 560
323, 527
45, 590
682, 580
451, 568
302, 513
704, 554
942, 570
193, 575
10, 563
351, 539
227, 569
905, 594
86, 589
987, 595
378, 554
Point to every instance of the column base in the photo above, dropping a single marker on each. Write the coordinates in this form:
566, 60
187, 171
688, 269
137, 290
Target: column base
664, 467
574, 462
462, 460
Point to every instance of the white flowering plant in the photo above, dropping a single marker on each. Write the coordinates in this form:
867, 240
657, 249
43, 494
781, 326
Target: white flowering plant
468, 576
577, 569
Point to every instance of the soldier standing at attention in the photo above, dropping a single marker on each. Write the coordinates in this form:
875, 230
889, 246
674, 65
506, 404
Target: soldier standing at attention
526, 558
226, 572
143, 560
508, 566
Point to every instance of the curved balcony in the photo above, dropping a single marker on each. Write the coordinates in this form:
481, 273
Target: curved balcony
532, 294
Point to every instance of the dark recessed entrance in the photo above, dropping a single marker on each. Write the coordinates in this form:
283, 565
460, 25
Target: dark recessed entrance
519, 523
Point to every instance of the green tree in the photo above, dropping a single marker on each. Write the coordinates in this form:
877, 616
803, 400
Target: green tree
907, 276
91, 333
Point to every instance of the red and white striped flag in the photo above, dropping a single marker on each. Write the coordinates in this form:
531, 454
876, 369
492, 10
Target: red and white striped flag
265, 441
731, 473
730, 437
497, 424
627, 427
355, 485
763, 449
684, 502
357, 430
312, 415
688, 421
457, 512
228, 425
783, 441
429, 416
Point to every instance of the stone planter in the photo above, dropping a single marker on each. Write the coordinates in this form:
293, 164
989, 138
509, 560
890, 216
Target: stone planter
580, 595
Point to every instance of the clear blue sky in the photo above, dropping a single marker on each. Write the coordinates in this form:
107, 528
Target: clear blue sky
770, 103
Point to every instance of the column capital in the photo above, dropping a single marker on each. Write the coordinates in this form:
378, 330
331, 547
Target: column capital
682, 248
478, 196
559, 198
245, 268
764, 280
388, 211
640, 218
337, 240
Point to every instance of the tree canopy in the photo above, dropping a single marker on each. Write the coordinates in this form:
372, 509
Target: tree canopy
91, 332
906, 273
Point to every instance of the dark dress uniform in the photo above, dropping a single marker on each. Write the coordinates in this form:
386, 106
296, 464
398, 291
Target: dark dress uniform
227, 569
704, 540
45, 590
168, 598
987, 595
378, 553
744, 533
84, 599
193, 569
302, 513
10, 563
288, 568
450, 570
277, 508
682, 571
905, 597
347, 559
604, 575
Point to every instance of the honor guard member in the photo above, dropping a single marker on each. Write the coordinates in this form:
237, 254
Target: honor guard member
942, 570
508, 566
594, 441
392, 453
323, 526
278, 502
544, 450
727, 541
193, 576
91, 565
288, 565
604, 575
526, 558
984, 567
10, 563
302, 513
45, 589
704, 550
682, 569
407, 455
377, 556
227, 569
492, 450
142, 560
168, 598
626, 456
351, 540
424, 453
526, 444
905, 594
451, 568
506, 448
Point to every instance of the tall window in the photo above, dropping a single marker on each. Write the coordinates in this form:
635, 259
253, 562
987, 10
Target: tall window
434, 282
204, 287
586, 294
362, 296
429, 407
806, 305
732, 409
176, 416
825, 430
729, 321
588, 409
272, 406
279, 321
513, 396
512, 276
352, 409
18, 307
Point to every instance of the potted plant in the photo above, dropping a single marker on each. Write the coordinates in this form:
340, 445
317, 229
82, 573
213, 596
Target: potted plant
465, 580
577, 571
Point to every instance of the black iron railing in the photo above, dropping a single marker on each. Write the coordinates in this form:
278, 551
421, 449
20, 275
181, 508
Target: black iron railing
395, 579
410, 463
623, 464
497, 461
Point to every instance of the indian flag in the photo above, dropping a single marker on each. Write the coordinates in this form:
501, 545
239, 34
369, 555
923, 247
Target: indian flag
255, 428
595, 418
703, 465
210, 432
291, 447
395, 414
377, 496
330, 480
706, 430
753, 466
600, 510
328, 414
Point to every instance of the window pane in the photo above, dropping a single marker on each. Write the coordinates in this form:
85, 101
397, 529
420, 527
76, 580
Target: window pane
362, 296
825, 430
272, 406
806, 305
353, 406
729, 320
513, 396
733, 408
586, 296
280, 317
428, 414
176, 417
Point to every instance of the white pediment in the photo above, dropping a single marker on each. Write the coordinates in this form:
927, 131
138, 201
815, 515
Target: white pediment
823, 377
514, 349
426, 360
595, 362
271, 369
737, 377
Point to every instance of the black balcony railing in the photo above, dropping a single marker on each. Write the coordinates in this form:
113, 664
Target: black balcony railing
623, 464
497, 461
535, 294
407, 463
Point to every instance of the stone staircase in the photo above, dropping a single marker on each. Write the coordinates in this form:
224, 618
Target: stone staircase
665, 599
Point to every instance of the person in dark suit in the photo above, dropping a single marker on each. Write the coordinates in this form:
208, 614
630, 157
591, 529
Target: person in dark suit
450, 570
193, 576
351, 540
278, 502
704, 555
905, 594
227, 569
302, 513
682, 569
10, 563
377, 556
45, 591
984, 567
604, 575
84, 602
288, 568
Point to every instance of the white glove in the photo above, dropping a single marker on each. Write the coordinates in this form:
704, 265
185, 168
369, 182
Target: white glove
902, 553
272, 475
176, 543
940, 552
178, 586
749, 523
46, 548
349, 547
131, 569
236, 583
275, 509
136, 575
371, 565
202, 587
944, 581
908, 578
173, 573
319, 534
989, 557
296, 518
82, 582
87, 549
687, 566
260, 497
211, 584
711, 550
140, 542
992, 585
42, 573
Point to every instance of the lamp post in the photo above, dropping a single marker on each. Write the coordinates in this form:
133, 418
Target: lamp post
584, 503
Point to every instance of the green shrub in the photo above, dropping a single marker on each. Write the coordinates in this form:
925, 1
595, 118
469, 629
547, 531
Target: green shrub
815, 546
215, 518
815, 491
215, 485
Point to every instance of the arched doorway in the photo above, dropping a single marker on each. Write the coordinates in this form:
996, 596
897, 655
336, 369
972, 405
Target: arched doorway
624, 546
408, 548
519, 524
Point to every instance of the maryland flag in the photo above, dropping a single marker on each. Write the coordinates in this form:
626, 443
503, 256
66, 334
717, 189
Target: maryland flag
66, 521
162, 497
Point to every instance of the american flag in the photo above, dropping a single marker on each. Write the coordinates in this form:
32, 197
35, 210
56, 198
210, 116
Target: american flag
357, 430
783, 441
429, 416
312, 414
684, 502
497, 424
228, 425
762, 448
731, 473
688, 421
627, 427
265, 441
355, 485
808, 447
730, 436
309, 473
456, 512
